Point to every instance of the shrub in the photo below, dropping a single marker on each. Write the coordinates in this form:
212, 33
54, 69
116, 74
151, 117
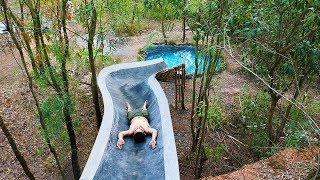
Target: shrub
254, 113
254, 109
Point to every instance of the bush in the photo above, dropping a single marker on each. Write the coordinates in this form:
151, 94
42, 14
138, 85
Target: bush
128, 28
254, 113
298, 130
254, 108
102, 60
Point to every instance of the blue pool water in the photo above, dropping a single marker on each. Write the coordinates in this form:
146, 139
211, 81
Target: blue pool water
175, 55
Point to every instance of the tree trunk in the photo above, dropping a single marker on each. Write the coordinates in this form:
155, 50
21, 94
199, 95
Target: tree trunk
201, 140
273, 105
184, 21
194, 82
66, 108
30, 83
34, 11
94, 85
284, 120
73, 143
26, 40
15, 149
134, 11
162, 24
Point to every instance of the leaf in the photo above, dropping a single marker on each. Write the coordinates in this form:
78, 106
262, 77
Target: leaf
312, 9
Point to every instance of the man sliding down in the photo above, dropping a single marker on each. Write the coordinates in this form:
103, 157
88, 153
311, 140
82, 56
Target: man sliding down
139, 127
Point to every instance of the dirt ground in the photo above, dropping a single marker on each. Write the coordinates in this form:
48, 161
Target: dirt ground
17, 109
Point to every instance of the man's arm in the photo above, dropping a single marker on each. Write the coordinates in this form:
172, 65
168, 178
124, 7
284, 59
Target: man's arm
154, 133
121, 135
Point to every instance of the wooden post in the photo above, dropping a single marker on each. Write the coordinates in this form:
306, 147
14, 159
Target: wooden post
176, 87
180, 78
183, 86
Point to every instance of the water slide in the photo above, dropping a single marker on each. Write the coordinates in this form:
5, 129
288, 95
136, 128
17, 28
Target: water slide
135, 83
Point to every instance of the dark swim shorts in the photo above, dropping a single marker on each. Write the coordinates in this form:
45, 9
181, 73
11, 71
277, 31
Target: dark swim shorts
143, 113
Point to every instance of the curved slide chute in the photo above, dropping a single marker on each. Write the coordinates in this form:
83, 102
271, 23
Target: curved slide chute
135, 83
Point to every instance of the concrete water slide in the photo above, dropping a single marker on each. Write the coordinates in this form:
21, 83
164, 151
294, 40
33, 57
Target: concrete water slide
135, 83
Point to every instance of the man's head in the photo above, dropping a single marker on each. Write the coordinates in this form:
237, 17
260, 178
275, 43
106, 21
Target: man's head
139, 135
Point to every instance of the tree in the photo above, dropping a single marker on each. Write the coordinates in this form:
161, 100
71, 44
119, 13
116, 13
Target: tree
208, 28
57, 80
14, 147
19, 47
271, 31
164, 10
91, 24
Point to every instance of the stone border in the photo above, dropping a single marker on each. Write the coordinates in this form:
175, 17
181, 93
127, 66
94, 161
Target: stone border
171, 166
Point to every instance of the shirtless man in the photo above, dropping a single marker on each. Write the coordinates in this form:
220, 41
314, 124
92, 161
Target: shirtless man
139, 127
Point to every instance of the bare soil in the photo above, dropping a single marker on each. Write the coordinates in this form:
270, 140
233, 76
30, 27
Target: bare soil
17, 109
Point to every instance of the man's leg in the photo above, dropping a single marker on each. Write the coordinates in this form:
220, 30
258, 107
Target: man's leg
130, 114
128, 106
145, 105
144, 111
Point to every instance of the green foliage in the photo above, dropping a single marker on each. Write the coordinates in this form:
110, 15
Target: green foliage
57, 49
254, 113
215, 112
149, 45
124, 17
83, 13
214, 153
298, 130
140, 58
101, 60
265, 27
281, 45
42, 81
123, 27
168, 9
52, 111
40, 151
274, 149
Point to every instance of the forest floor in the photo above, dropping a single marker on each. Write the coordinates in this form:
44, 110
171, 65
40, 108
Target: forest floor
17, 109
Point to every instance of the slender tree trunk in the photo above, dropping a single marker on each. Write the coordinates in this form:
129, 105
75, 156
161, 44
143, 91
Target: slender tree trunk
30, 83
12, 143
285, 119
184, 21
273, 105
203, 132
21, 10
134, 11
66, 108
63, 93
15, 149
203, 158
194, 82
40, 45
307, 89
94, 85
74, 149
20, 24
66, 47
34, 11
162, 24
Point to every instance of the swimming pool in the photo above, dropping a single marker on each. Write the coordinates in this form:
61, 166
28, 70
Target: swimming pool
175, 55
